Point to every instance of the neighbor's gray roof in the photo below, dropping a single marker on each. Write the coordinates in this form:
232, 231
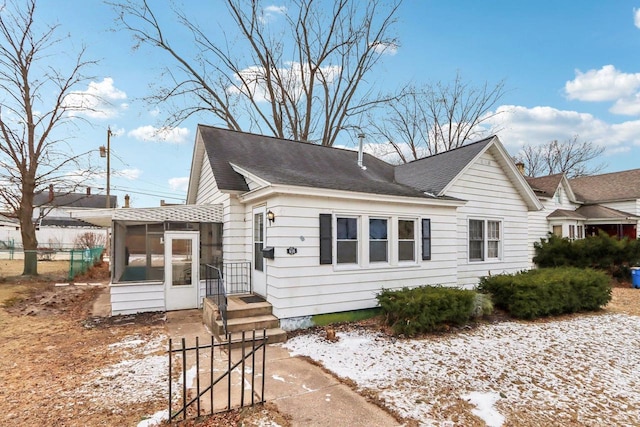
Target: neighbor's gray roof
285, 162
614, 186
64, 222
73, 200
432, 174
565, 214
545, 186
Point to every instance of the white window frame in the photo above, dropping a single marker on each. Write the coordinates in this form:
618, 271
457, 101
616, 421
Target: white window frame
414, 240
387, 240
486, 238
358, 240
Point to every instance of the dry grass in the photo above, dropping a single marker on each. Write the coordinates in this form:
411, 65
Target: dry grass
12, 268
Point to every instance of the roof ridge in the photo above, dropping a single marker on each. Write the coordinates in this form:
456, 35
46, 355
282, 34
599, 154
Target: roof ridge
287, 140
450, 151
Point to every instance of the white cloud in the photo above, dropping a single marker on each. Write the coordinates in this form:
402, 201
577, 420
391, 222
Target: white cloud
252, 80
163, 134
636, 17
269, 13
179, 184
605, 84
130, 174
281, 10
98, 101
155, 112
628, 106
385, 48
530, 126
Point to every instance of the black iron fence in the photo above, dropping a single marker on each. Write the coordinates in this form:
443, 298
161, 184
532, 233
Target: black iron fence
193, 398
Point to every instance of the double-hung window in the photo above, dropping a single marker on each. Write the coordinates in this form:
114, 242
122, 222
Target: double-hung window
347, 240
484, 239
493, 239
378, 240
406, 240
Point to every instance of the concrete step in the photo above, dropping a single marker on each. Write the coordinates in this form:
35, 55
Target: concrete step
275, 335
237, 310
250, 323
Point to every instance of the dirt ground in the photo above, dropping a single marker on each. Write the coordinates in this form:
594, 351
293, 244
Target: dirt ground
49, 345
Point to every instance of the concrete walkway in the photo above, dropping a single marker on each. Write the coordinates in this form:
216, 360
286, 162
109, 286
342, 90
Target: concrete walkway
299, 389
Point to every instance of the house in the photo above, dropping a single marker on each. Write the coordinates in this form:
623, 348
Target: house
315, 229
325, 232
579, 207
56, 229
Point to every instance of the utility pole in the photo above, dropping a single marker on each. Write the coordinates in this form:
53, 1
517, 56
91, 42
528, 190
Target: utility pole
107, 153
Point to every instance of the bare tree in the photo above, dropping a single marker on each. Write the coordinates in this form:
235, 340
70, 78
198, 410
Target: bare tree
33, 106
435, 118
571, 157
295, 71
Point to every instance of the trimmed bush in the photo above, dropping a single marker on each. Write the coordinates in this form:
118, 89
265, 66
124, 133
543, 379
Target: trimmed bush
601, 252
548, 291
425, 309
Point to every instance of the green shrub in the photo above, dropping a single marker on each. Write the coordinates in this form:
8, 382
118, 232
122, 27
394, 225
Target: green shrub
548, 291
425, 309
601, 252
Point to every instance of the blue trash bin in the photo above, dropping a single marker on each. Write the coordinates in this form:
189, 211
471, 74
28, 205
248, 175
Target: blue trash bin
635, 277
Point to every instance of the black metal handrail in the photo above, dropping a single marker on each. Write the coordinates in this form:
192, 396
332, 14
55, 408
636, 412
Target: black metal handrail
216, 291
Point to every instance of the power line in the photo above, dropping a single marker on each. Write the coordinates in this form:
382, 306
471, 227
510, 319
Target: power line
176, 197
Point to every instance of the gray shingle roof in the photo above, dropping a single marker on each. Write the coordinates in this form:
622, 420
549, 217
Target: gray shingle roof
614, 186
545, 186
602, 212
565, 214
73, 200
287, 162
432, 174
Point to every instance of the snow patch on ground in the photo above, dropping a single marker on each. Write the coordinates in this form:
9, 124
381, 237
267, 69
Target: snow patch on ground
581, 371
485, 409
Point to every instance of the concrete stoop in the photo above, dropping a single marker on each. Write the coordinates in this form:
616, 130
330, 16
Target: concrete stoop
243, 316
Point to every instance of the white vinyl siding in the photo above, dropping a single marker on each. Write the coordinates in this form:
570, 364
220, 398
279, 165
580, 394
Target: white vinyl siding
491, 195
298, 285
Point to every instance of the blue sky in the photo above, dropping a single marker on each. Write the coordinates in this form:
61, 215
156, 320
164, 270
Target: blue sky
570, 68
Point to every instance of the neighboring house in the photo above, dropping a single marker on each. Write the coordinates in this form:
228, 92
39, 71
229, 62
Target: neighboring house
579, 207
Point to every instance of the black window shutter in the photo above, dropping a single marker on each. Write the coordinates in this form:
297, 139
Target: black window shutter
426, 239
325, 239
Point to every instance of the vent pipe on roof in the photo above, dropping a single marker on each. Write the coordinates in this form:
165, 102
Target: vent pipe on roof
126, 200
360, 153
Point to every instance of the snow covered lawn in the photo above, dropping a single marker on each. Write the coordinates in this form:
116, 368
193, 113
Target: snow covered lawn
583, 371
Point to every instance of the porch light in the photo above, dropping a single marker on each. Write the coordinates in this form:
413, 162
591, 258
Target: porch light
271, 217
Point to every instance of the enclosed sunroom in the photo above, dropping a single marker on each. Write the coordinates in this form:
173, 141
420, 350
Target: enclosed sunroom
159, 256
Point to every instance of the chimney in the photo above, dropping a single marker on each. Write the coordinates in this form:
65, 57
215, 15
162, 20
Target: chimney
360, 153
162, 202
126, 200
51, 195
520, 166
88, 191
